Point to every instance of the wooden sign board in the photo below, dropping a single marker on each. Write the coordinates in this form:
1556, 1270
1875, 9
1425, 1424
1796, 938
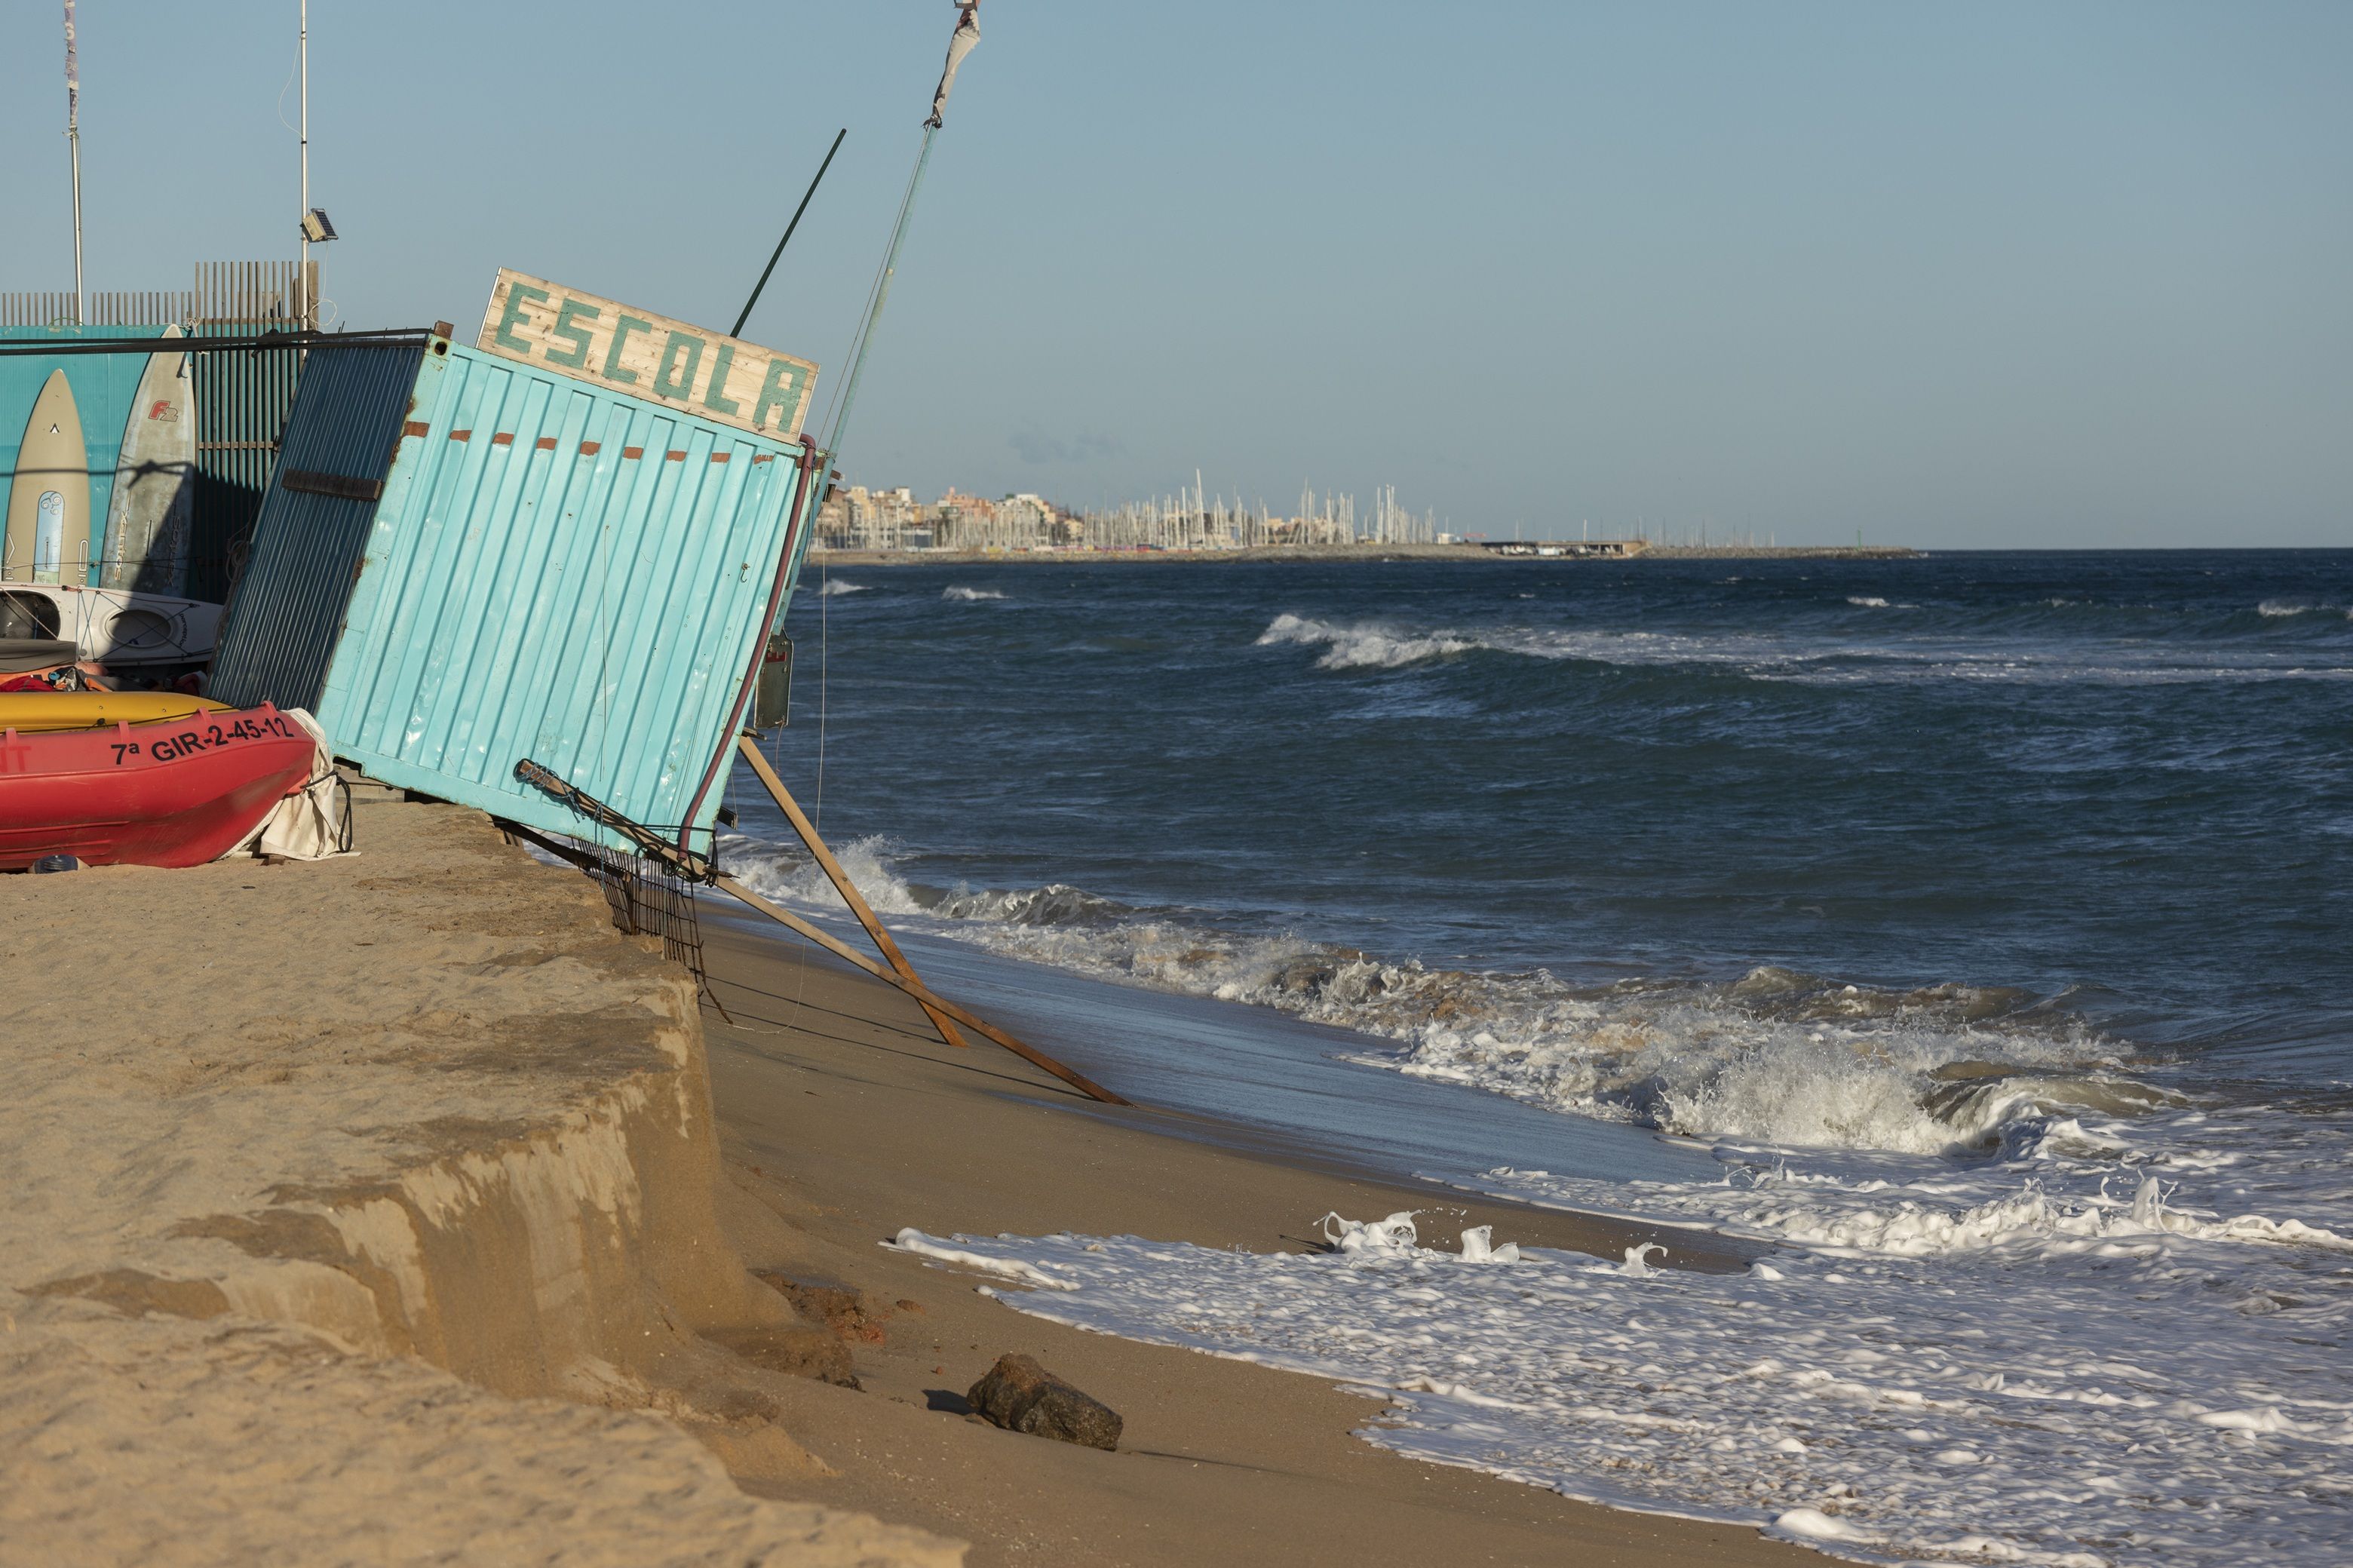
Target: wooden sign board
617, 346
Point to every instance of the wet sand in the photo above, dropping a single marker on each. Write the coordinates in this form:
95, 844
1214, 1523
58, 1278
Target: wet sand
843, 1119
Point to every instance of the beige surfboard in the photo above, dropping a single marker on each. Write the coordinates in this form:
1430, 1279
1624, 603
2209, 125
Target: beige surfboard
49, 500
147, 517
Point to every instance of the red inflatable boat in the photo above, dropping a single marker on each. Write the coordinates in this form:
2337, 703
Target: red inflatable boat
176, 792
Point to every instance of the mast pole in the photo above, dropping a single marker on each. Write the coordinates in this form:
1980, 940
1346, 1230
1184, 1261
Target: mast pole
737, 331
73, 147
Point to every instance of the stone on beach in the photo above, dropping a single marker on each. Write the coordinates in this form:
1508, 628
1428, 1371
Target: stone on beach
1019, 1395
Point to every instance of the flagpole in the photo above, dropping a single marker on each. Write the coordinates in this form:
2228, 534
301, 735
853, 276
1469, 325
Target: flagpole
73, 145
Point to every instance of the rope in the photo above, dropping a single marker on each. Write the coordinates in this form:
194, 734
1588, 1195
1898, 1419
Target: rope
824, 670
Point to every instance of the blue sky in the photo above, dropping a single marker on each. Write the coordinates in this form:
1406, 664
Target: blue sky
1986, 275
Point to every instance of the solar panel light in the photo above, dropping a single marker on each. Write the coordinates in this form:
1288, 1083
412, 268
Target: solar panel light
315, 226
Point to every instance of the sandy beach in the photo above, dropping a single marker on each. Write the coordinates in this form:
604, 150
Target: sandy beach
390, 1223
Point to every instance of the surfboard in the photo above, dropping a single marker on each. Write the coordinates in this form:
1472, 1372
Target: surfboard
48, 500
147, 518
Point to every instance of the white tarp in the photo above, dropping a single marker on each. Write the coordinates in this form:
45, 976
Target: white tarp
305, 825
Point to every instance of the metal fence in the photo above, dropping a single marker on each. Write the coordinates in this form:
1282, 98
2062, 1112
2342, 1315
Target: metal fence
242, 401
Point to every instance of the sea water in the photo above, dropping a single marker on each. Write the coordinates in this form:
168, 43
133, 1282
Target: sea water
1970, 931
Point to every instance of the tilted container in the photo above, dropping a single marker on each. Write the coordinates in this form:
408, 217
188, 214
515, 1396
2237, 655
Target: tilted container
463, 561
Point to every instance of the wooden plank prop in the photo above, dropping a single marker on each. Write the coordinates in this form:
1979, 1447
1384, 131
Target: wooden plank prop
661, 360
840, 880
944, 1015
924, 994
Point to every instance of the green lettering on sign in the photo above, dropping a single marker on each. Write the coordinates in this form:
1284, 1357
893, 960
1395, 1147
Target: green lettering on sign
579, 337
513, 316
622, 327
679, 386
714, 397
780, 389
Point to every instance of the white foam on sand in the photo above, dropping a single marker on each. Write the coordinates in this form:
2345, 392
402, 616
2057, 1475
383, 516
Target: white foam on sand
2097, 1406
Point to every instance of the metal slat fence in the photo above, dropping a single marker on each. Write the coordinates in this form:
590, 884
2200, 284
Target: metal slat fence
242, 401
125, 308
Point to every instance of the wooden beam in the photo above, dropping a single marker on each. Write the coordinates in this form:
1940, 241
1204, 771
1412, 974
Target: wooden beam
921, 993
841, 882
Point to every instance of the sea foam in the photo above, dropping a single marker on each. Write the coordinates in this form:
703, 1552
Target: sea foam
2094, 1409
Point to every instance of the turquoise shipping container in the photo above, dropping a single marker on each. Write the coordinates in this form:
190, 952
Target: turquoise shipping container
464, 561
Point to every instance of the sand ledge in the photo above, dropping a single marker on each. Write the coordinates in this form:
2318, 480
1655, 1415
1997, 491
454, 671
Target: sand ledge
385, 1181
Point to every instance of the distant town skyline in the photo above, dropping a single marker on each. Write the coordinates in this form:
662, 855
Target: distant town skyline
2016, 275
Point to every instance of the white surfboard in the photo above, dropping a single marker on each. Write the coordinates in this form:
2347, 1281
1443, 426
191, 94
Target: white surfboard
49, 500
154, 482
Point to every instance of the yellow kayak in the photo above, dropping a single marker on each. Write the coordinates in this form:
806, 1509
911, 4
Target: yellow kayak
26, 711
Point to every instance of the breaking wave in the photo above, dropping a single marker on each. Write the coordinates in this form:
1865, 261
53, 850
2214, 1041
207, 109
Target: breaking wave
1361, 646
957, 593
1825, 655
837, 586
1777, 1057
2280, 609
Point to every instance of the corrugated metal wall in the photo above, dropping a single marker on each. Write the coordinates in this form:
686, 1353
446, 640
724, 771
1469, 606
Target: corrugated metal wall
553, 572
280, 632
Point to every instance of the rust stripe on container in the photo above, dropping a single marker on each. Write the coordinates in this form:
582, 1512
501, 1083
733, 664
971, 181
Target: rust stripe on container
764, 457
504, 438
675, 456
545, 444
633, 451
718, 456
462, 434
590, 448
414, 428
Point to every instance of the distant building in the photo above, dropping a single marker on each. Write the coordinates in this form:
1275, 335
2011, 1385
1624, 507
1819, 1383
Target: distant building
856, 518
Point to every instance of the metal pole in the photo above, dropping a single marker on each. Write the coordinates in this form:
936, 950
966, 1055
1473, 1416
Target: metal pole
73, 145
303, 280
737, 331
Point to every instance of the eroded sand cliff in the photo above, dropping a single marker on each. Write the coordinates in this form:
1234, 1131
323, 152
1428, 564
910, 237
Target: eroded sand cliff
365, 1209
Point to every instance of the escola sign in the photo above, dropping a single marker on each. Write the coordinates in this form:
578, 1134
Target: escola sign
653, 357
